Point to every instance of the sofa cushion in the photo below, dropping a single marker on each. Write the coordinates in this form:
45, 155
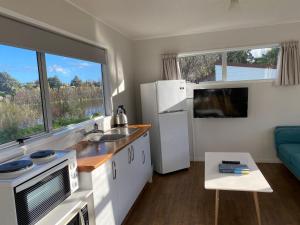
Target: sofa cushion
288, 151
287, 135
295, 160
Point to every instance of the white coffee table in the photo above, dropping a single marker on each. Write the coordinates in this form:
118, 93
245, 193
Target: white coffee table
253, 182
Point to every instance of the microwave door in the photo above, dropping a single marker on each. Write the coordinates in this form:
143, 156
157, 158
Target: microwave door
40, 177
37, 197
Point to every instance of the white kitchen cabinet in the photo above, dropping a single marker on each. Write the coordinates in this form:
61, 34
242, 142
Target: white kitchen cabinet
142, 163
125, 190
147, 166
136, 178
118, 182
103, 183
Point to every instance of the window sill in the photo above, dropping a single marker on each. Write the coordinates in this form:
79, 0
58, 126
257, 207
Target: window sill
12, 147
71, 127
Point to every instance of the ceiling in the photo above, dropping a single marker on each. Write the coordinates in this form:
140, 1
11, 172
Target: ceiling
143, 19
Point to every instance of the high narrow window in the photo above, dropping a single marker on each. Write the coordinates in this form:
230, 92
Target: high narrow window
21, 112
75, 88
232, 65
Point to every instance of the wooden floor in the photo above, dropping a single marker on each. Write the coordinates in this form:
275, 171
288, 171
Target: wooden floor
180, 199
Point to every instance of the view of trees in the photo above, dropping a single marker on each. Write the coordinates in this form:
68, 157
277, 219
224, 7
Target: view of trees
21, 106
54, 82
8, 85
245, 57
76, 82
269, 58
201, 68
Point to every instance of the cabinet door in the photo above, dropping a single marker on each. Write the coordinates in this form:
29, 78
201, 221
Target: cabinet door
124, 181
136, 165
146, 168
139, 167
105, 198
143, 161
147, 158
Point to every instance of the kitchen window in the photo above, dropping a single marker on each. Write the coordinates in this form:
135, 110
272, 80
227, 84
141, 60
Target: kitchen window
40, 92
75, 90
21, 111
230, 65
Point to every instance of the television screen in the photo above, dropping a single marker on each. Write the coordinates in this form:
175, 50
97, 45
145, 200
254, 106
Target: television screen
223, 102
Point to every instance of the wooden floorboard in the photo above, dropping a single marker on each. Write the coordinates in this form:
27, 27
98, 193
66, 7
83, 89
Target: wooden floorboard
180, 199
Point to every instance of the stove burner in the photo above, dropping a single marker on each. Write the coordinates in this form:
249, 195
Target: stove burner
42, 154
15, 166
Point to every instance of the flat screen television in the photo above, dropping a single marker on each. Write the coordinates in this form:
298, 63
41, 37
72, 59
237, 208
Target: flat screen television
221, 103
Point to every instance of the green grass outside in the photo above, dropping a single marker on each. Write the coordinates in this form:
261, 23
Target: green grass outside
13, 133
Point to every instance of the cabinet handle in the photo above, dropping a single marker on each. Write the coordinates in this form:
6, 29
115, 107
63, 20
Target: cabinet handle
129, 156
145, 135
144, 157
114, 170
132, 149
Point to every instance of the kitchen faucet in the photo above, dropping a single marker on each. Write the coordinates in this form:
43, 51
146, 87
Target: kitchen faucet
95, 130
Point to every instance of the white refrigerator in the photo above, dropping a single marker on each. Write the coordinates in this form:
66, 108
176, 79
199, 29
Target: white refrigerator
164, 106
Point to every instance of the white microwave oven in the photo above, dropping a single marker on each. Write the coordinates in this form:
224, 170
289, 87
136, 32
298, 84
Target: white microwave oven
26, 199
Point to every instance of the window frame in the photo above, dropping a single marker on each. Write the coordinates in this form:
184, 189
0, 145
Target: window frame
224, 52
45, 99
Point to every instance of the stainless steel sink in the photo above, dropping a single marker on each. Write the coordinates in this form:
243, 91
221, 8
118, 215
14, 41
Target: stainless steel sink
111, 137
122, 130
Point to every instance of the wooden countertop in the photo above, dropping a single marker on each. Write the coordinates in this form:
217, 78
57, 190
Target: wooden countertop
90, 156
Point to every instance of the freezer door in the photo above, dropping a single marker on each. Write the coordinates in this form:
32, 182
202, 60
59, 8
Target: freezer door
174, 141
171, 95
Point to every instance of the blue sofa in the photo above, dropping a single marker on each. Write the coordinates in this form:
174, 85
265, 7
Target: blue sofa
287, 141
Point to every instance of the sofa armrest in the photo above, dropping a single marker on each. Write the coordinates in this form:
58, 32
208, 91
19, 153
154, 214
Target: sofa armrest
287, 135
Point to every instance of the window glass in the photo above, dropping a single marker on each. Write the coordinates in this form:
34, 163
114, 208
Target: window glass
247, 64
252, 64
200, 68
75, 88
21, 112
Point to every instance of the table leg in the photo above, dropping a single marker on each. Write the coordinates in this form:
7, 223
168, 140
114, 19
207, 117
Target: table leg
255, 196
217, 207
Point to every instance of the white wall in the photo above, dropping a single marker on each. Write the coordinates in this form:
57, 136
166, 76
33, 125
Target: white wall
268, 106
61, 16
253, 134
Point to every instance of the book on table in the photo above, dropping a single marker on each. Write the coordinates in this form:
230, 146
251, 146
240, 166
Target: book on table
233, 168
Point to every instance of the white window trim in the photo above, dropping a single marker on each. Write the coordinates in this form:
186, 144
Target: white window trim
224, 66
222, 50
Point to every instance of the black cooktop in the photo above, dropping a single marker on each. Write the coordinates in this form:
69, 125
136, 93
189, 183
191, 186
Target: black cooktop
15, 166
42, 154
